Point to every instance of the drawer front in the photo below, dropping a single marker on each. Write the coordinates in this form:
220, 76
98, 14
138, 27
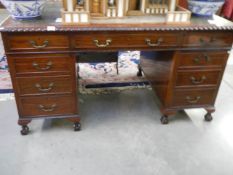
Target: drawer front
199, 59
41, 64
198, 78
207, 39
193, 97
125, 40
37, 42
44, 85
48, 106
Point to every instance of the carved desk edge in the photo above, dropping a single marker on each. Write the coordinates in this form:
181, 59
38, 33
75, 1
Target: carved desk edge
118, 28
197, 24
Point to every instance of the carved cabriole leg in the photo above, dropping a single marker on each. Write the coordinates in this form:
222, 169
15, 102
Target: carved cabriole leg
164, 119
208, 116
76, 121
25, 128
166, 113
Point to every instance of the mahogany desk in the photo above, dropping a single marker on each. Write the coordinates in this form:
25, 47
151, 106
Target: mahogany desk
183, 63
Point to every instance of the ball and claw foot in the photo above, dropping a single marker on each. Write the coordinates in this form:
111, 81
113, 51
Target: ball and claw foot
208, 117
77, 126
25, 130
164, 119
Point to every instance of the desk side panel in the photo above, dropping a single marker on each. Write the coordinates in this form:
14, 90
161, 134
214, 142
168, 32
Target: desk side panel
157, 67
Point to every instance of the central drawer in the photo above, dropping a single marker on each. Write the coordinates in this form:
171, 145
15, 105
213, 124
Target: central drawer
122, 40
48, 106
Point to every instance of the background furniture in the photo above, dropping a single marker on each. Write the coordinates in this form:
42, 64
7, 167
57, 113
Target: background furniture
227, 10
184, 64
81, 12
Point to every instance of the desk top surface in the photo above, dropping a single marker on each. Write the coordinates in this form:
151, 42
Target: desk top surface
52, 13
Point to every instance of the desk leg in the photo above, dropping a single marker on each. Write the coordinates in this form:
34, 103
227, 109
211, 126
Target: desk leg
164, 119
77, 124
139, 73
208, 116
24, 124
165, 115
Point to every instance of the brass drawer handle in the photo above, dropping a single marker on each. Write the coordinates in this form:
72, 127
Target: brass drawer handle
34, 44
47, 67
211, 40
195, 81
48, 108
201, 40
198, 59
41, 89
206, 57
193, 100
107, 43
149, 42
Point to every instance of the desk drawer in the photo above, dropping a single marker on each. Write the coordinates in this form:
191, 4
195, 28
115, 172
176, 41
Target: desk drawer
98, 41
37, 42
193, 97
191, 59
208, 39
125, 40
48, 106
45, 85
198, 78
41, 64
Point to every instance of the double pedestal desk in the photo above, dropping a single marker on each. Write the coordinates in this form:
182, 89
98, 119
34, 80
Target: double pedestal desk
183, 63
